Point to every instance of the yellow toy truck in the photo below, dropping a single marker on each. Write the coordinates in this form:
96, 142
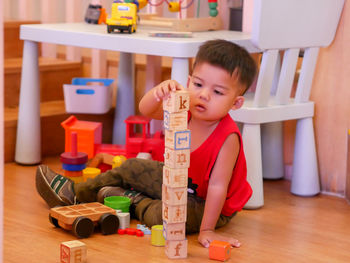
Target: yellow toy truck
123, 17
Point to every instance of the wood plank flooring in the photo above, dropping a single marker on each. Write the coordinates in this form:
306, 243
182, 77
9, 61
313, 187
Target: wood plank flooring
287, 229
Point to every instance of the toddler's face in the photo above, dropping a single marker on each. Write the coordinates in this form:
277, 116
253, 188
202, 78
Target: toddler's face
213, 92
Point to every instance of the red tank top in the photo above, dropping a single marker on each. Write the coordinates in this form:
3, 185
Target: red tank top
202, 163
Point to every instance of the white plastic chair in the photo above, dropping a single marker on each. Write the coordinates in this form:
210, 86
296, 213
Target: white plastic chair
289, 26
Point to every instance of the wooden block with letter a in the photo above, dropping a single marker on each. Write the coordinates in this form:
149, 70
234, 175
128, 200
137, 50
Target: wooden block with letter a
73, 252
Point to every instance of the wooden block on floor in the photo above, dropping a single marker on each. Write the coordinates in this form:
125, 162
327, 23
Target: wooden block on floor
174, 231
174, 213
177, 101
176, 248
177, 158
175, 121
73, 252
174, 196
175, 177
219, 250
178, 140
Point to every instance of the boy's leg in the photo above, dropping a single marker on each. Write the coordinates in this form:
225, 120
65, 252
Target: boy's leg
141, 175
195, 211
149, 212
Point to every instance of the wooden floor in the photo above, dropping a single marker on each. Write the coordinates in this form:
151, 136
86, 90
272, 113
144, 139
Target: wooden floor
286, 229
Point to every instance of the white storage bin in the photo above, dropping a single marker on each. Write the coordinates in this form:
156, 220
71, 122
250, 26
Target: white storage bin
93, 99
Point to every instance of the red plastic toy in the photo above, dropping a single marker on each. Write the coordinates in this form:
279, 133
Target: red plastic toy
137, 142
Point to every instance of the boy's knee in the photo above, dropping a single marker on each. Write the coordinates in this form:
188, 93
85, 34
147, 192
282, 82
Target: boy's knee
149, 212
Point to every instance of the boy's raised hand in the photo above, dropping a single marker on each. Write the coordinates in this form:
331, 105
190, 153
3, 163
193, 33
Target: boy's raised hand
162, 91
206, 236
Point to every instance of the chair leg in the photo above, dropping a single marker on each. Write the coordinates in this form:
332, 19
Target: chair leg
272, 150
252, 150
305, 179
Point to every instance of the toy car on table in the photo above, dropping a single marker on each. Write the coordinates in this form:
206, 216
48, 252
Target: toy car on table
82, 218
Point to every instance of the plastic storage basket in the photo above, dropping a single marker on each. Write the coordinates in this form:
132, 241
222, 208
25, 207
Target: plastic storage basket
79, 97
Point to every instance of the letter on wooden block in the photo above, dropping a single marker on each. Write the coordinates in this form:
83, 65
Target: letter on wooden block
174, 213
178, 101
174, 231
73, 252
176, 248
178, 140
174, 196
177, 158
175, 177
175, 121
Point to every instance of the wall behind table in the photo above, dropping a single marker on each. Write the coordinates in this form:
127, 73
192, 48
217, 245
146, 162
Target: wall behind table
331, 93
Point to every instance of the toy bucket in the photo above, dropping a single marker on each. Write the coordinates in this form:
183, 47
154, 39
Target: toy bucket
118, 203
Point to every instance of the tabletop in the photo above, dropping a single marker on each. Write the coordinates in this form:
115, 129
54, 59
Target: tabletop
96, 36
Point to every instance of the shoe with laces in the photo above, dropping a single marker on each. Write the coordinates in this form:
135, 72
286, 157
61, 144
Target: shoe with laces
55, 189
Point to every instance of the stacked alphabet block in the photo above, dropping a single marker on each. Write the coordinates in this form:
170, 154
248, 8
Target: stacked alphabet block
175, 173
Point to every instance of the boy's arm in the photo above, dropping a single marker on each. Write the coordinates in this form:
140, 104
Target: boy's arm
217, 191
151, 104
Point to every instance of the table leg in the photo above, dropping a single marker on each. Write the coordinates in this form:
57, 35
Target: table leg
28, 144
180, 70
125, 96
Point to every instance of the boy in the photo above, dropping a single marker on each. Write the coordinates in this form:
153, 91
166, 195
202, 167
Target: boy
222, 72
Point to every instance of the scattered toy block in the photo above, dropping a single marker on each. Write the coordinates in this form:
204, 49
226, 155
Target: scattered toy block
174, 196
177, 101
175, 121
174, 213
73, 252
124, 220
219, 250
176, 158
174, 231
157, 238
178, 140
176, 248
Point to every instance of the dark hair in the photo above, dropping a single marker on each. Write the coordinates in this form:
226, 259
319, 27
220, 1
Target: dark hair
230, 57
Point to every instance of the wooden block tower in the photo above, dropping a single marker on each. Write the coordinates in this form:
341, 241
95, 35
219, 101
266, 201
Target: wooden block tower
175, 173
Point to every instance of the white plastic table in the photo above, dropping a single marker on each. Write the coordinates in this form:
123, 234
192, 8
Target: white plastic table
28, 145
